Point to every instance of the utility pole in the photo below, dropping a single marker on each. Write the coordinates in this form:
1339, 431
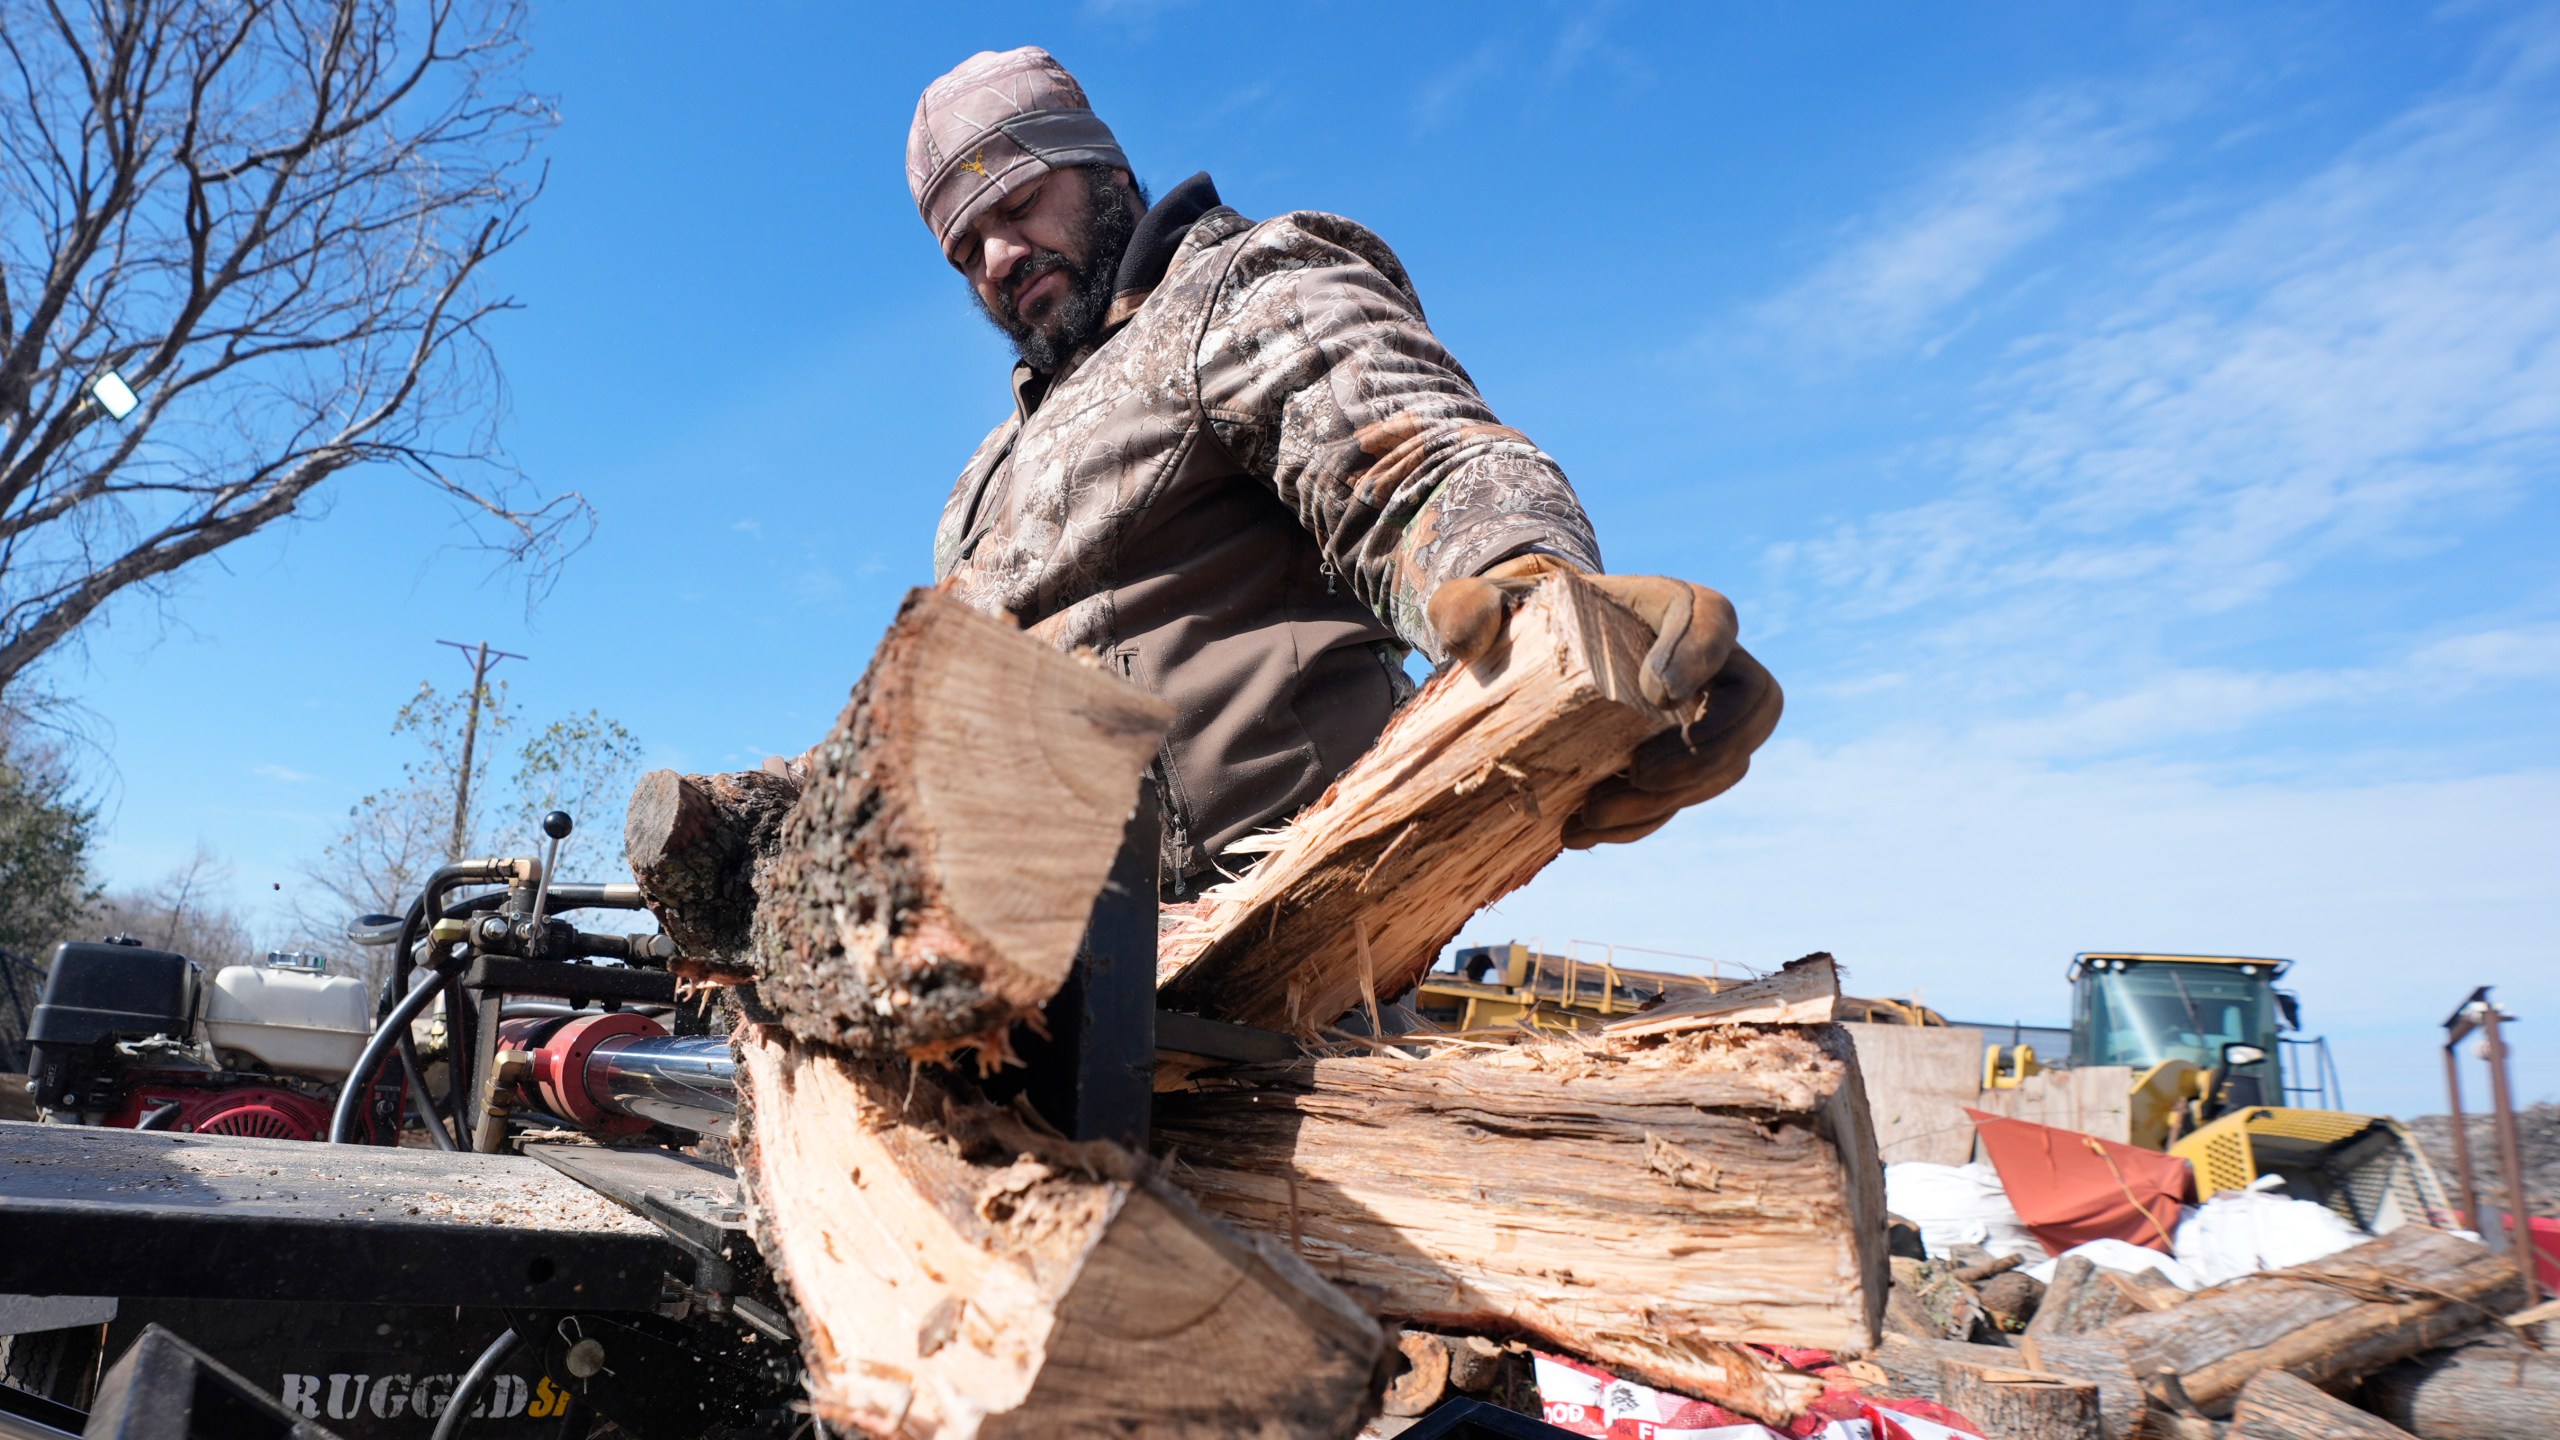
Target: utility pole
482, 659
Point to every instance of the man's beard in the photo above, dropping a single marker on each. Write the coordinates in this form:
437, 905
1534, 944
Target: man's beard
1110, 220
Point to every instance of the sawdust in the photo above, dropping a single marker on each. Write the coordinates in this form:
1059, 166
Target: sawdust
353, 1183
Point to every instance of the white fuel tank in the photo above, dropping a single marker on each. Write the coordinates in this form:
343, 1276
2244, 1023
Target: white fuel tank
288, 1021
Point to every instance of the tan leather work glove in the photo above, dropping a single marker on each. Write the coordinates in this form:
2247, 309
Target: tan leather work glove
1694, 657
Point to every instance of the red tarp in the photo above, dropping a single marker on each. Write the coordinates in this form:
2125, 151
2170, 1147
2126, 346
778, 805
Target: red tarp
2072, 1188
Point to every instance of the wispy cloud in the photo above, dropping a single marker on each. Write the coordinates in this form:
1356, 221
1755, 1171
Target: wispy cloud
285, 773
1132, 12
1900, 270
2182, 704
1439, 98
2368, 362
1970, 875
1520, 60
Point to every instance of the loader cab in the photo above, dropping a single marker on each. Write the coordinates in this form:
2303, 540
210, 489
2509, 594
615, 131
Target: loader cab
2142, 1010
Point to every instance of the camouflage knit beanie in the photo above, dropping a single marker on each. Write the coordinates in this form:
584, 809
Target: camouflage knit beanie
996, 123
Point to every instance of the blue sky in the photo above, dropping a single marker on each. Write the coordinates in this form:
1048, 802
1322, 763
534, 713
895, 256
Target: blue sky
2128, 431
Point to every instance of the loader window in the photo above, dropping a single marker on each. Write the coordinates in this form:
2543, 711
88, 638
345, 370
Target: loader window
2146, 1013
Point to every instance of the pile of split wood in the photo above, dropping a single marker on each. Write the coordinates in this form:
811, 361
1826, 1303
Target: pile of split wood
2352, 1347
1655, 1200
1366, 1224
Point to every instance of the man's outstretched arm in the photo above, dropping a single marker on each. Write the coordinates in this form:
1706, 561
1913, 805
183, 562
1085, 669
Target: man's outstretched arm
1318, 371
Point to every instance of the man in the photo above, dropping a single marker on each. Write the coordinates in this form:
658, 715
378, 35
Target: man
1242, 468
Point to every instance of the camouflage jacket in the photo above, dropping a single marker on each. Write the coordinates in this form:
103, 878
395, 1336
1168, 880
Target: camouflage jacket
1243, 496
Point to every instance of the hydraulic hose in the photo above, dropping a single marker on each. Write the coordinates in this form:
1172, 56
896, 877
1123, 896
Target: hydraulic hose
360, 1079
419, 1097
450, 1423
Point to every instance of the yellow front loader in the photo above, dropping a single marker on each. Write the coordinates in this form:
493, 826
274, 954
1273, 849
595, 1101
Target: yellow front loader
2204, 1035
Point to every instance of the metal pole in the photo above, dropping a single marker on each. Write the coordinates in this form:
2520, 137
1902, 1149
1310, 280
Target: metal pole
2461, 1133
2510, 1155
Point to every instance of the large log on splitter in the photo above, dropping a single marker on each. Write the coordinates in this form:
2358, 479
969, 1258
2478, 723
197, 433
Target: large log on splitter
1460, 802
933, 882
954, 1269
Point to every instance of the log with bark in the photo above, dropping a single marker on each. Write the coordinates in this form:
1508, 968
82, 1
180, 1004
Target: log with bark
1930, 1301
2277, 1406
2085, 1297
2329, 1322
1907, 1367
1800, 992
2474, 1392
694, 842
2016, 1404
932, 883
1646, 1204
2010, 1300
1459, 803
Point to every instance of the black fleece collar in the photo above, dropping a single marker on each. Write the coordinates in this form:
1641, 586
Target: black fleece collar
1160, 233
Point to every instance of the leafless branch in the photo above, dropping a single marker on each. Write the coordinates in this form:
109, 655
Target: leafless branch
274, 220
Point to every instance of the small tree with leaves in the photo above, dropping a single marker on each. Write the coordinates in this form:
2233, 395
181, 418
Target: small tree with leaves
584, 764
269, 221
46, 831
396, 836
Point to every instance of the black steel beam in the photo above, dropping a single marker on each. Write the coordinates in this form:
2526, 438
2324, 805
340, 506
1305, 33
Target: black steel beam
1093, 1076
95, 1211
578, 983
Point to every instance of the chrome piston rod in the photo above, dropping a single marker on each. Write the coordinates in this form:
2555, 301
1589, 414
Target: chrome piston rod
689, 1082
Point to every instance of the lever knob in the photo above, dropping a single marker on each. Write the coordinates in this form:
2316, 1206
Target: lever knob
557, 824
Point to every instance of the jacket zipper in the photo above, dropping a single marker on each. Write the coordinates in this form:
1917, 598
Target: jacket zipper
1173, 805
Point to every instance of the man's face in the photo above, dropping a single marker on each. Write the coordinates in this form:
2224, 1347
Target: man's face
1035, 259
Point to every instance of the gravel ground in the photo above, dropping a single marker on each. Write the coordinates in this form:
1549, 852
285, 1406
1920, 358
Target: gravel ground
2538, 1134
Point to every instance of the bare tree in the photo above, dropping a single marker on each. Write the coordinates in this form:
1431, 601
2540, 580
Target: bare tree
184, 911
269, 220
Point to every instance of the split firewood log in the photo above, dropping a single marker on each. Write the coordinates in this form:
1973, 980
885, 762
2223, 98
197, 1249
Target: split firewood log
2276, 1406
2010, 1300
1648, 1204
2085, 1297
1425, 1381
1459, 803
2016, 1404
1908, 1367
954, 1272
694, 842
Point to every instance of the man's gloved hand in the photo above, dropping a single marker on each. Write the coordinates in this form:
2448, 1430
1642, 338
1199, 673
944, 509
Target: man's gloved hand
1693, 658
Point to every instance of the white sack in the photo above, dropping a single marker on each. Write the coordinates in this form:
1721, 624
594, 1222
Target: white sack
1958, 1205
2121, 1255
2240, 1232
